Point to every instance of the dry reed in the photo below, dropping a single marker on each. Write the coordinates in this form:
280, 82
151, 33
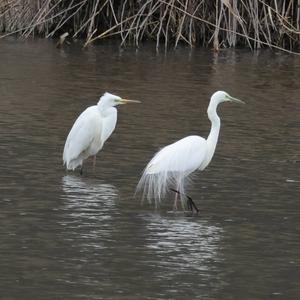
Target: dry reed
214, 23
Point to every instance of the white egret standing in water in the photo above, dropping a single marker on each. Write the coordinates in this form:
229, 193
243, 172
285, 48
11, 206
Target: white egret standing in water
170, 167
91, 129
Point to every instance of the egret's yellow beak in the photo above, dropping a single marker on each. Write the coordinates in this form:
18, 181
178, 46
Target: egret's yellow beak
126, 101
235, 100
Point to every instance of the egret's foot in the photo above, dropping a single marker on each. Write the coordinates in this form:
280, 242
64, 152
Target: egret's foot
189, 202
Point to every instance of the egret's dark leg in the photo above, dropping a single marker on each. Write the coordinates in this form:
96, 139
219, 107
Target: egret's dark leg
81, 170
190, 203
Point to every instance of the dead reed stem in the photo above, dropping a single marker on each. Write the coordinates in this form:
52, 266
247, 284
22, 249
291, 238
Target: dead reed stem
217, 24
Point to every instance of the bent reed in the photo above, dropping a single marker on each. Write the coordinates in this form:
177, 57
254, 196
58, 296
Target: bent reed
215, 23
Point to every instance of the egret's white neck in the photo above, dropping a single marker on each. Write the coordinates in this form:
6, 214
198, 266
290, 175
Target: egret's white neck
212, 138
104, 107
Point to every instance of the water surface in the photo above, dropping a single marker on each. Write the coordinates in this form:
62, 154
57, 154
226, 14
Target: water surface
66, 236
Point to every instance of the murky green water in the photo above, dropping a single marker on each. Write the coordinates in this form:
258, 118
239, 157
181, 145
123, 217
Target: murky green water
63, 236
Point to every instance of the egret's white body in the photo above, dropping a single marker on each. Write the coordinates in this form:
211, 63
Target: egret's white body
91, 129
170, 167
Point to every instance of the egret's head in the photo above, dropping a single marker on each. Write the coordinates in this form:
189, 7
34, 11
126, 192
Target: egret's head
221, 96
109, 100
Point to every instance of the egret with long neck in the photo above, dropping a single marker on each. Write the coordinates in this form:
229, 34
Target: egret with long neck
171, 166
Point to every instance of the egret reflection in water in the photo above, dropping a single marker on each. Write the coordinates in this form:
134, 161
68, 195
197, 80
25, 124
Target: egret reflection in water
189, 244
87, 201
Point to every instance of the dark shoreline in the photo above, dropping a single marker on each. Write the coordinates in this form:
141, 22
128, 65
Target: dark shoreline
169, 23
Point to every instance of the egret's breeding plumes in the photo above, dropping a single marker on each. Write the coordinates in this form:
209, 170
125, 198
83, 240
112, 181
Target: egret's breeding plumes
170, 167
91, 129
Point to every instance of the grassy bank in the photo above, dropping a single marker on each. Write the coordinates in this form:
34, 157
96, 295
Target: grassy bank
210, 23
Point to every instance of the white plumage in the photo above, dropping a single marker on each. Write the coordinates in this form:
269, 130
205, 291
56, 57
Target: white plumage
183, 158
170, 167
91, 129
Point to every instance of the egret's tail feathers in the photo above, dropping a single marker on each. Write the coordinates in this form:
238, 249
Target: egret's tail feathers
155, 186
73, 164
170, 167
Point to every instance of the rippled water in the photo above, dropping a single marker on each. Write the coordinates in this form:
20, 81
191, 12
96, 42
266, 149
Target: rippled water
66, 236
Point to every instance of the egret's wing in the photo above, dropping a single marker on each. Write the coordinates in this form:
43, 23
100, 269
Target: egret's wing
169, 167
81, 134
109, 124
183, 156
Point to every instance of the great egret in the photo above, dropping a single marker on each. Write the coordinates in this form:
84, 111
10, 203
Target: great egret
170, 167
91, 129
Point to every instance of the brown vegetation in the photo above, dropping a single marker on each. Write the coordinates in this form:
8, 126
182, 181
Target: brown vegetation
214, 23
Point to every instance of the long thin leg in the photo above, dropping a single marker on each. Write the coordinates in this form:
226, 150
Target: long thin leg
176, 199
81, 170
190, 203
175, 202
